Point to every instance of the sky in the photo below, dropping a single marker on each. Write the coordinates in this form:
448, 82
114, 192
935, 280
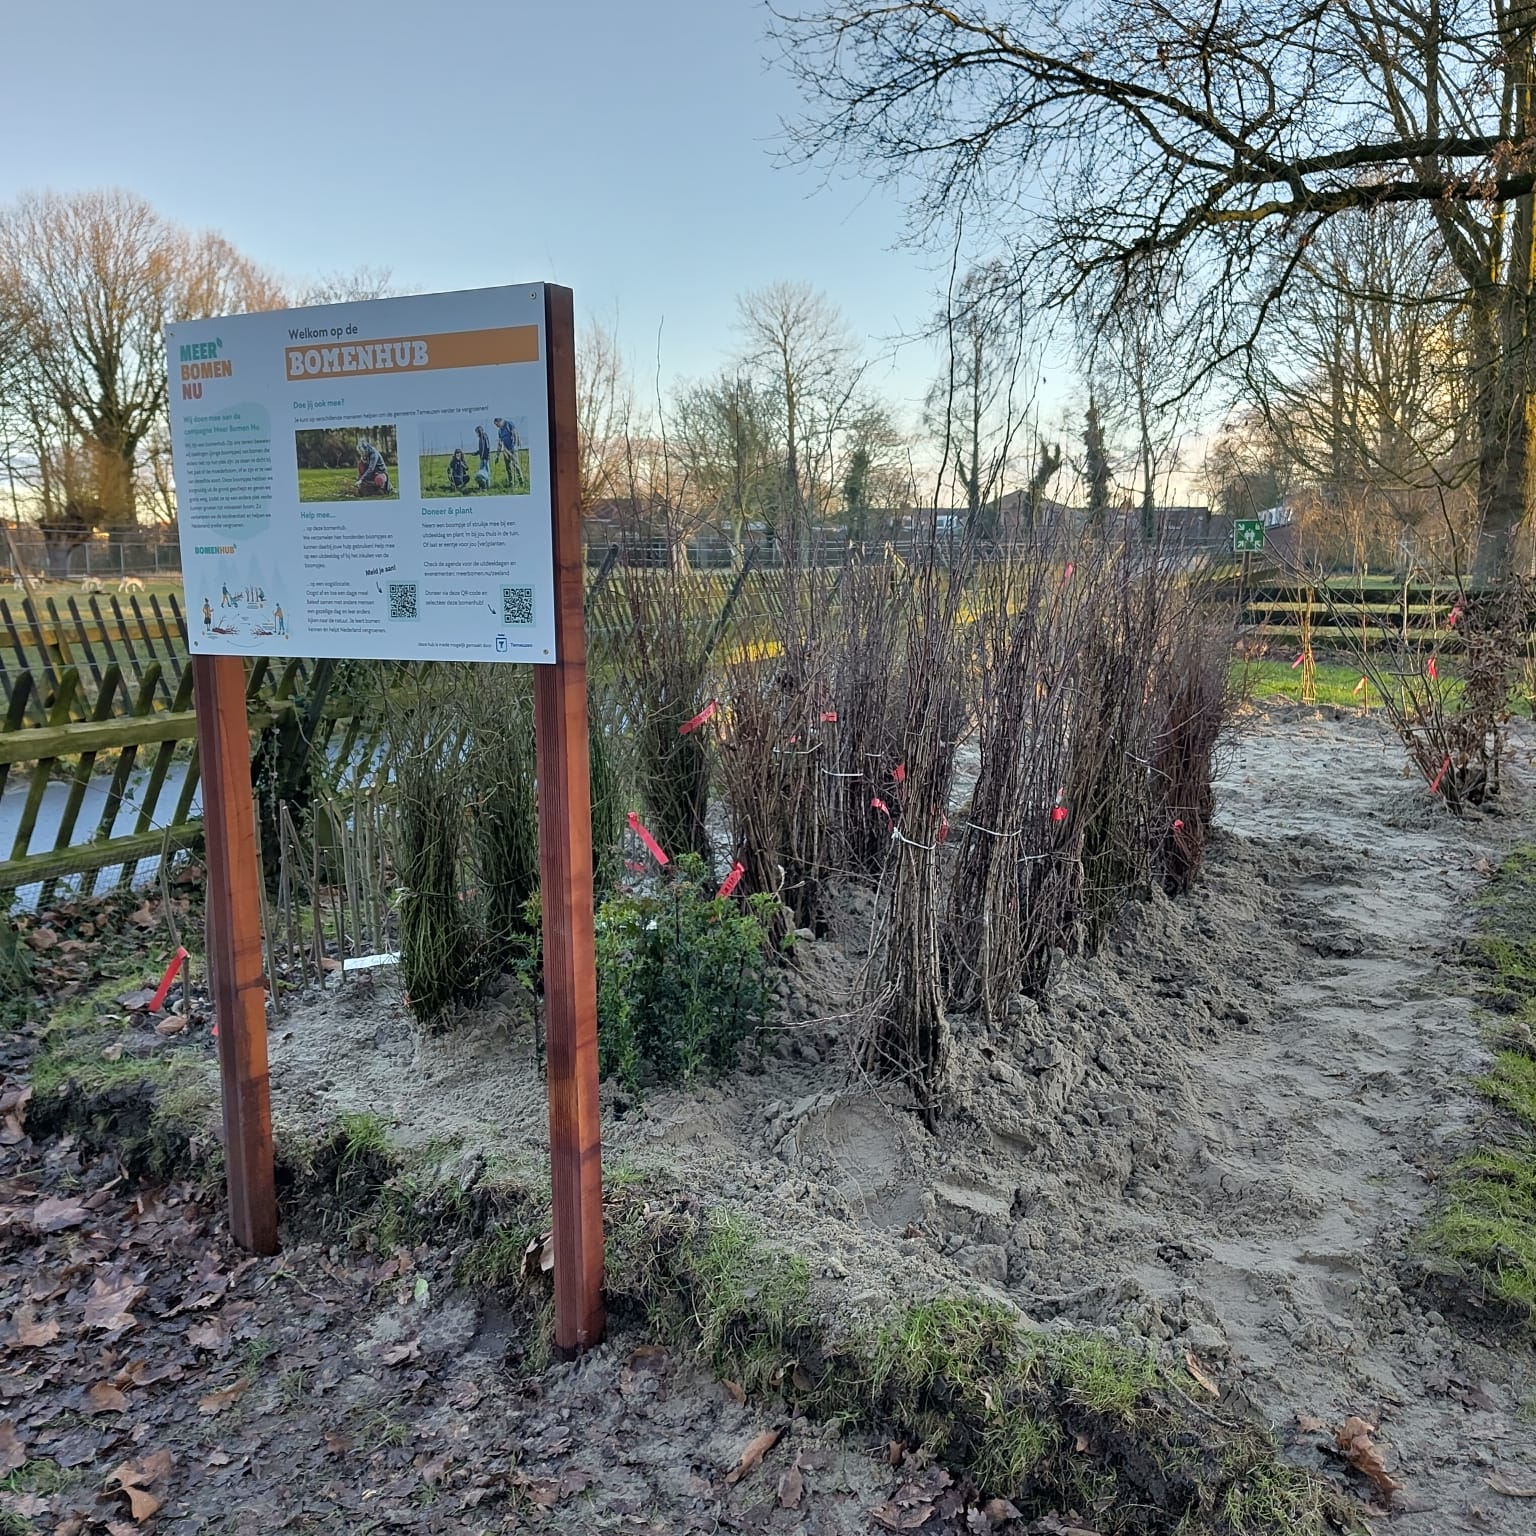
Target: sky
630, 151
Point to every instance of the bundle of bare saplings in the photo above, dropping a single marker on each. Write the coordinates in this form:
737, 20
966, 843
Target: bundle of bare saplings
1004, 751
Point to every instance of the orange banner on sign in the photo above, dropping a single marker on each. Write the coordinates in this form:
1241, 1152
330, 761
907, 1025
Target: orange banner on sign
414, 354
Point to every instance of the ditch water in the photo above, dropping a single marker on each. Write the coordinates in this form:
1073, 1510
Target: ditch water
51, 813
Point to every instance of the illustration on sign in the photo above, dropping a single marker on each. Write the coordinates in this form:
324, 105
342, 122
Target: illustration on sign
1247, 535
367, 480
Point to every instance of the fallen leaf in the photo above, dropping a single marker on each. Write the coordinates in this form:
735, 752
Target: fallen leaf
216, 1402
1308, 1425
756, 1449
999, 1510
218, 1458
175, 1025
791, 1489
207, 1335
648, 1357
144, 917
894, 1451
13, 1453
138, 1000
107, 1305
539, 1256
896, 1518
131, 1479
1081, 1443
543, 1492
51, 1215
105, 1398
1354, 1440
1193, 1367
733, 1391
42, 938
31, 1334
398, 1354
1508, 1489
337, 1444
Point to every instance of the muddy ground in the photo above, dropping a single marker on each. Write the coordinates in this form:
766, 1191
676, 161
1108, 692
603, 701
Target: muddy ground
1223, 1134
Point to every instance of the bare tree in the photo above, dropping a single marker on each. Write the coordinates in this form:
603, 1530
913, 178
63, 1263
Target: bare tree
1222, 137
977, 405
349, 287
800, 347
605, 412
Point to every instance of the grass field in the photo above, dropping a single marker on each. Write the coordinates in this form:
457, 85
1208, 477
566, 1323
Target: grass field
337, 485
435, 485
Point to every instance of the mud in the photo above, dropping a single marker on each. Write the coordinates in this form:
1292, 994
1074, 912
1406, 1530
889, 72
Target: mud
1223, 1133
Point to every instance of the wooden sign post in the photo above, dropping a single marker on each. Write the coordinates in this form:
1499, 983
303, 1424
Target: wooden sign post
565, 878
534, 620
235, 947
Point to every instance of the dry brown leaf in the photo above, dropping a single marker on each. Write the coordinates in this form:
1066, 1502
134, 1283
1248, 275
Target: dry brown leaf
105, 1398
175, 1025
31, 1334
107, 1305
13, 1452
896, 1518
648, 1357
1308, 1425
52, 1215
1081, 1443
398, 1354
894, 1452
42, 938
999, 1510
216, 1402
1192, 1365
756, 1449
733, 1391
337, 1444
208, 1335
791, 1488
1354, 1440
131, 1479
1508, 1489
144, 917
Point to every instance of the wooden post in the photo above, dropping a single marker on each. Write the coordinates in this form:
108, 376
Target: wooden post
565, 877
235, 947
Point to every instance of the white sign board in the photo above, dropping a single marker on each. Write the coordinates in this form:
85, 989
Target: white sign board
367, 480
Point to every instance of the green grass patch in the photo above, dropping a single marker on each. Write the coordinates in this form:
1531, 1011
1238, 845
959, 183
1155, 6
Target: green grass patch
341, 485
1486, 1223
436, 484
1336, 685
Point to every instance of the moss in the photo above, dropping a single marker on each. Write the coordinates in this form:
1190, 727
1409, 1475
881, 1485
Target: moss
1485, 1224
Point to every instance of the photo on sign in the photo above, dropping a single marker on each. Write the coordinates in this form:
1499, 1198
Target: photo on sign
349, 463
472, 456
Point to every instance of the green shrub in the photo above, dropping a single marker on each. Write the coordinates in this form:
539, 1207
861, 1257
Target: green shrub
682, 978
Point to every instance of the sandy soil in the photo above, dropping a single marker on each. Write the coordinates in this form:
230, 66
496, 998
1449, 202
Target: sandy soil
1222, 1134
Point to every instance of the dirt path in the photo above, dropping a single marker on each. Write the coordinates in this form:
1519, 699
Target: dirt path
1220, 1134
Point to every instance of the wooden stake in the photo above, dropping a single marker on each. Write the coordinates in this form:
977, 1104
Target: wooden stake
565, 875
235, 947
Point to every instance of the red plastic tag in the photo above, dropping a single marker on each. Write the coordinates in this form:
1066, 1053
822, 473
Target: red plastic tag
638, 828
698, 719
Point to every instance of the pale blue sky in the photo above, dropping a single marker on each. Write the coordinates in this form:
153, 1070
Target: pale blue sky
625, 149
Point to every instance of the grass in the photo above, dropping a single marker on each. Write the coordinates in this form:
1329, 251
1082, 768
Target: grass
436, 485
340, 485
1486, 1224
1335, 684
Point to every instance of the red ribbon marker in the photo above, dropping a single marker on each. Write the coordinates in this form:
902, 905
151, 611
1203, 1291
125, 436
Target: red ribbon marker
1066, 575
829, 717
638, 828
1450, 623
698, 719
1432, 670
900, 774
878, 804
157, 1002
1445, 768
1059, 813
732, 880
1301, 658
1178, 826
1358, 686
943, 829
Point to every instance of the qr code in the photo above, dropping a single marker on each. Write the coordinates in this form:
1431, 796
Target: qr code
517, 605
403, 600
